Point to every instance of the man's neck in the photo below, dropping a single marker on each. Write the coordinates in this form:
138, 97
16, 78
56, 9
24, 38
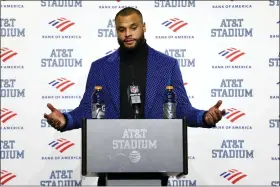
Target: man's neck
128, 55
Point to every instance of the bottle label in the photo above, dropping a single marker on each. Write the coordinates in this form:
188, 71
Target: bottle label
98, 111
169, 110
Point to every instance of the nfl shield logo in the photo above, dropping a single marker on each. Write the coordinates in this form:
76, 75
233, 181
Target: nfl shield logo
134, 89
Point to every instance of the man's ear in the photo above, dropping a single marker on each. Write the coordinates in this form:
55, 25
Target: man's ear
144, 27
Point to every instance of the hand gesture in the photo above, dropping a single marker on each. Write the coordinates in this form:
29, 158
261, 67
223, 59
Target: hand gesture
55, 118
214, 115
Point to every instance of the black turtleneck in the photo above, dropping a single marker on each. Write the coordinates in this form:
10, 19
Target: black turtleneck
138, 60
132, 63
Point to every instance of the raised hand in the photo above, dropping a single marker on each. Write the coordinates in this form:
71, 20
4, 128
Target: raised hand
214, 115
55, 118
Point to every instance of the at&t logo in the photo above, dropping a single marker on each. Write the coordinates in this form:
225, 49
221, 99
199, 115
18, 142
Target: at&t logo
180, 55
109, 31
232, 149
133, 139
61, 178
9, 29
9, 89
174, 3
9, 150
231, 88
62, 3
134, 156
230, 27
61, 58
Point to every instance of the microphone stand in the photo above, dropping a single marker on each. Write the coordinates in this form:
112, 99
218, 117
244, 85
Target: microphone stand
136, 107
136, 111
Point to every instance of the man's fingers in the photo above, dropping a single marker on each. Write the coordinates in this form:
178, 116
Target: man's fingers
223, 112
218, 114
54, 123
209, 119
51, 107
50, 121
46, 116
218, 104
214, 116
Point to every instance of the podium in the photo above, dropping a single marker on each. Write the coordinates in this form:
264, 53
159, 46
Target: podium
134, 147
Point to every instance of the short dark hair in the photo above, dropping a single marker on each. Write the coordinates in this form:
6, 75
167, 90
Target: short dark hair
128, 11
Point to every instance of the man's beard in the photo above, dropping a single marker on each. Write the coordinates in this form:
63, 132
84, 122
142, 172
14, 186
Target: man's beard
138, 42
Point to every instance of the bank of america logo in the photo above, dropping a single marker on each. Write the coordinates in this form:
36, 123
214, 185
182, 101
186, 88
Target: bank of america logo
174, 24
61, 144
6, 115
61, 24
233, 175
231, 54
6, 176
233, 114
109, 52
61, 84
6, 54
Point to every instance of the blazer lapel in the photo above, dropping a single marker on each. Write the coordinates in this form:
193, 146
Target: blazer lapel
152, 81
111, 73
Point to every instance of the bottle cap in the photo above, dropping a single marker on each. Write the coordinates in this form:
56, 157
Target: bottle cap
169, 87
98, 87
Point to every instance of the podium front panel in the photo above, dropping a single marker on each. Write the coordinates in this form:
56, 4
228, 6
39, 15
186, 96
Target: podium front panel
142, 145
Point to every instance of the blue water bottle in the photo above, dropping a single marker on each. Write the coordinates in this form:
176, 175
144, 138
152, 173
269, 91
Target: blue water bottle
98, 104
169, 105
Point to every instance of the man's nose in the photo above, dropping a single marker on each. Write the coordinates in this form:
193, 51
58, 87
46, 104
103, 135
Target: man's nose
127, 32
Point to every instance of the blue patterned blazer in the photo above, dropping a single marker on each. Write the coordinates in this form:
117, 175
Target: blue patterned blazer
160, 68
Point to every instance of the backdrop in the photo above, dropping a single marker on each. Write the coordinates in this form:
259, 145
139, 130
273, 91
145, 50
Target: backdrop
226, 50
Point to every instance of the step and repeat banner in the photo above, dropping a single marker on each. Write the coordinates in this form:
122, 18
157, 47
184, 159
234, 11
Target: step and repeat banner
226, 50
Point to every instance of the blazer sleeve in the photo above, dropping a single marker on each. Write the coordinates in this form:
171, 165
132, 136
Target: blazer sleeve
74, 118
195, 117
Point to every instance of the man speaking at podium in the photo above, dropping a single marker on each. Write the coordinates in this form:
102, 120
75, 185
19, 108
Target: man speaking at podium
151, 69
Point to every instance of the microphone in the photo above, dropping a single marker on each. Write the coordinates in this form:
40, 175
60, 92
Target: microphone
133, 92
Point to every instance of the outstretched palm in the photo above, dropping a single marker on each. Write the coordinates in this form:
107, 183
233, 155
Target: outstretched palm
55, 118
